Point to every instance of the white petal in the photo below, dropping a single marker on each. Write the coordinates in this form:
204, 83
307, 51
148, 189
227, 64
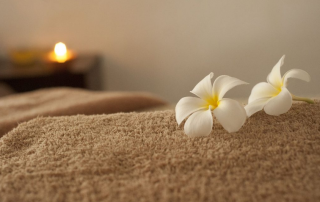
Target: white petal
199, 124
256, 105
274, 77
295, 73
203, 88
188, 105
262, 90
279, 104
230, 114
223, 84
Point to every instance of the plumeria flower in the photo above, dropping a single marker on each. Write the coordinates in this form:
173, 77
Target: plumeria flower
273, 96
229, 113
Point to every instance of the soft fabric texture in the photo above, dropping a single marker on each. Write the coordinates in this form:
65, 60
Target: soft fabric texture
21, 107
147, 157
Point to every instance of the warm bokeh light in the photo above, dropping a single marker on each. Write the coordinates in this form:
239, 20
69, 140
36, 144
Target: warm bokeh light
60, 49
60, 53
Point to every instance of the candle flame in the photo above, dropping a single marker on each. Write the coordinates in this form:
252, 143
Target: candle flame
60, 52
60, 49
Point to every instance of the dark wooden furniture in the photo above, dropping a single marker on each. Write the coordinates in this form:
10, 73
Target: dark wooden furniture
83, 72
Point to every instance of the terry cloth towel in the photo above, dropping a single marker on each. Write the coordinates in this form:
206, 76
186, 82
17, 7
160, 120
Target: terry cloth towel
147, 157
18, 108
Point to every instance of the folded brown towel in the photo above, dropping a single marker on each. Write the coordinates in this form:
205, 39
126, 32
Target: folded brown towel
17, 108
147, 157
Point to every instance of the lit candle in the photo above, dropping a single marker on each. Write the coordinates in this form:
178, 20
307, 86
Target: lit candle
60, 54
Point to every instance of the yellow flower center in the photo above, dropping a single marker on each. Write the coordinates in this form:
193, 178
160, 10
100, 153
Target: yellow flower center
213, 102
279, 90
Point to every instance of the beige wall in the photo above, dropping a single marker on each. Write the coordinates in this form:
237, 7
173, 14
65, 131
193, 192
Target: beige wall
166, 47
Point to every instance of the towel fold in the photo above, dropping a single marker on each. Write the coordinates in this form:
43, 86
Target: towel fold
18, 108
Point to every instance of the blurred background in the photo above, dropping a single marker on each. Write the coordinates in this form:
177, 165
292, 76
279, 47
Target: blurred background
166, 47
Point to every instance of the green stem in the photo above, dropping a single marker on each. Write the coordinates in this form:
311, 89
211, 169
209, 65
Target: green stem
296, 98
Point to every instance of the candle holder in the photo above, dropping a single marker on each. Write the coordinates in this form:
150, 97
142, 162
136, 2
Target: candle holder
58, 67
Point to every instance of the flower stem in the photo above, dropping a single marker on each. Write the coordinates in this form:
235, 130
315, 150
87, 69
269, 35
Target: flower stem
296, 98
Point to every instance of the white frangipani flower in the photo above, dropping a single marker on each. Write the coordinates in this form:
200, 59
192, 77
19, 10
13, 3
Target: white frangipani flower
274, 97
229, 113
